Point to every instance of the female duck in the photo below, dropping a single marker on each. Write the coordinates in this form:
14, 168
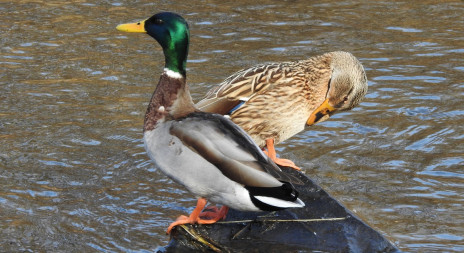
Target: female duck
207, 153
273, 102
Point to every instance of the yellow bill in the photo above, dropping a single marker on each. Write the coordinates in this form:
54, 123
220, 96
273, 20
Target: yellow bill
325, 109
138, 27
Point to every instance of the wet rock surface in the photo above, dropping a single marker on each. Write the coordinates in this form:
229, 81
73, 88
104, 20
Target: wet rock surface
323, 224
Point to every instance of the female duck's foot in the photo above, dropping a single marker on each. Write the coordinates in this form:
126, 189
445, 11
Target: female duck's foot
279, 161
285, 163
214, 216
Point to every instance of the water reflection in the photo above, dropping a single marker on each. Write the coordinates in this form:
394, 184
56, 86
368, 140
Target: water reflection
73, 172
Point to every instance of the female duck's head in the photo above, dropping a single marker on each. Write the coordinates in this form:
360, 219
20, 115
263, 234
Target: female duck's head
172, 33
347, 87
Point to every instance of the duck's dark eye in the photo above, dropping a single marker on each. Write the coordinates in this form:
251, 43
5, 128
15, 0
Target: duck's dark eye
345, 99
158, 21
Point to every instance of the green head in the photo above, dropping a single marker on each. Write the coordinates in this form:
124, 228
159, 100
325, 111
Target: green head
172, 33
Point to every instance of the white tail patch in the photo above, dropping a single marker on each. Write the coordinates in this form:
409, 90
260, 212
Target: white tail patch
172, 74
279, 202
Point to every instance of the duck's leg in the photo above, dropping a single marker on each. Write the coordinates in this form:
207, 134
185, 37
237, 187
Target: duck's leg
279, 161
196, 214
215, 213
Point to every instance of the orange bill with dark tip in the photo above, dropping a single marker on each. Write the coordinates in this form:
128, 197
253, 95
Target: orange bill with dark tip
138, 27
324, 109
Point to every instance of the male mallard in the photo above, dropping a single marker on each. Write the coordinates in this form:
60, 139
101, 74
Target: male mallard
273, 102
207, 153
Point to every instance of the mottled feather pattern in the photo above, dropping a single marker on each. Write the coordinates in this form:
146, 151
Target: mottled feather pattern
281, 96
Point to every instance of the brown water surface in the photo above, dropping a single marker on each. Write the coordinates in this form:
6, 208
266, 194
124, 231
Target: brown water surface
74, 175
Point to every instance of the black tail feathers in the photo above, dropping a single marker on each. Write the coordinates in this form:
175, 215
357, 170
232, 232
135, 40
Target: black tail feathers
281, 194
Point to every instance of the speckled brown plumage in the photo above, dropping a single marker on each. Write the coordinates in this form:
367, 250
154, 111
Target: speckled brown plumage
280, 97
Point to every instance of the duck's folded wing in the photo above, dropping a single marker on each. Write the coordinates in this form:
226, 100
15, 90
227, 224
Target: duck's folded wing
240, 87
229, 148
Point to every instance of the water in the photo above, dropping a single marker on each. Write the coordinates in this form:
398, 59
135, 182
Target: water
73, 91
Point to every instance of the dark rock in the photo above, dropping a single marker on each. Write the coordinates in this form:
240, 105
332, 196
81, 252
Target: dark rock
324, 225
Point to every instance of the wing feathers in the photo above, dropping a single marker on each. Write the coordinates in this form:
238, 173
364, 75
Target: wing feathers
244, 83
219, 105
227, 146
224, 153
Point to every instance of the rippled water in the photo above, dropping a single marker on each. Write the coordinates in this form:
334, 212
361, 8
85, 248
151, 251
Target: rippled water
73, 91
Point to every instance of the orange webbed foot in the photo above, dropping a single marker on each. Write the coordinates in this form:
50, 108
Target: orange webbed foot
286, 163
179, 221
279, 161
196, 216
215, 213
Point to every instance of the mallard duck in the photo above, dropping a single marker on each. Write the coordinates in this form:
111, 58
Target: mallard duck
207, 153
273, 102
